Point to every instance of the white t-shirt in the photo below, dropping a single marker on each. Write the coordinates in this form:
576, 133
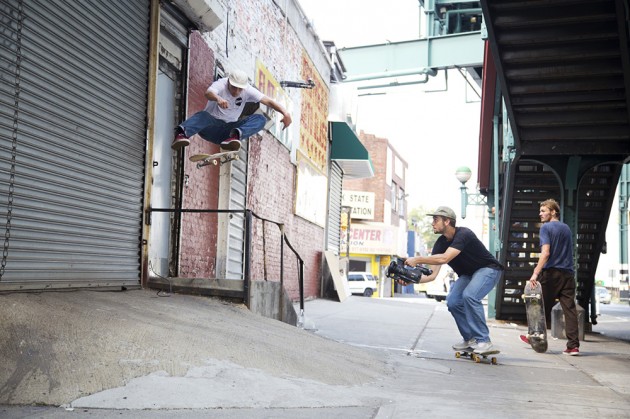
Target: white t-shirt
235, 104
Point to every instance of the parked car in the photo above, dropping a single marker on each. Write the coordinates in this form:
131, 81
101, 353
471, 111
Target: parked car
603, 295
438, 288
363, 283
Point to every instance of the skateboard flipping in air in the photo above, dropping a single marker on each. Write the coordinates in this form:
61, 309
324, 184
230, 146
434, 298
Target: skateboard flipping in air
224, 156
536, 323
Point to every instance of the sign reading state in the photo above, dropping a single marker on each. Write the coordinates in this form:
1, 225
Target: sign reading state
362, 204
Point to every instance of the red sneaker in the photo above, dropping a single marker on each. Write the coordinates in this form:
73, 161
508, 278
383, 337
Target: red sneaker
231, 144
180, 141
524, 339
571, 351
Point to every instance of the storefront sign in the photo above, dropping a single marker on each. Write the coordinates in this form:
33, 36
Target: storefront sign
310, 193
362, 204
373, 240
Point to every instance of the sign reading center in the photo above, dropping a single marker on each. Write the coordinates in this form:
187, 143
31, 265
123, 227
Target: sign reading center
362, 204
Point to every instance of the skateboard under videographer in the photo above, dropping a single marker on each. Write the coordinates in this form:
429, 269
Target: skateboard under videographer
219, 122
555, 271
478, 273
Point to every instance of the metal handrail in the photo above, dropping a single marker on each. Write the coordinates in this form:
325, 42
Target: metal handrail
285, 239
248, 214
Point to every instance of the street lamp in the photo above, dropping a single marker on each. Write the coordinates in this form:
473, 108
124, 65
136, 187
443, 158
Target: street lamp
463, 174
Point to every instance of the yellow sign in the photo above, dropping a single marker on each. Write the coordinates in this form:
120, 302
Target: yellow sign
267, 84
314, 118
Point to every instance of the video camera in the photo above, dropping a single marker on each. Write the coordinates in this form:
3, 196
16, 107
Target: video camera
399, 271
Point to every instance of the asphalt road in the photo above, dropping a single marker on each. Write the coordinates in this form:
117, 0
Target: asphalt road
614, 320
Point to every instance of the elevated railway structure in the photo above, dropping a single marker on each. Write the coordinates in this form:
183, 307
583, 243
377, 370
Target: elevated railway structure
555, 121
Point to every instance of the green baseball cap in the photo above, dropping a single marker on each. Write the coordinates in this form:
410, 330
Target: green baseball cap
444, 212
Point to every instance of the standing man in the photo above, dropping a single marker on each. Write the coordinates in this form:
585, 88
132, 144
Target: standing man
478, 273
219, 122
555, 272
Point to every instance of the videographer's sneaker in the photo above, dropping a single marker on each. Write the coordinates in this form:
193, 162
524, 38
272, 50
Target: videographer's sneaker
483, 347
465, 344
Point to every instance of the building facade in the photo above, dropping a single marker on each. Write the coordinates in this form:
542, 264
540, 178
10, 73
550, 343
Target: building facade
97, 198
378, 208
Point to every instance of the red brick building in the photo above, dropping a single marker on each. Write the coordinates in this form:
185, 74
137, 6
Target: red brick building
385, 194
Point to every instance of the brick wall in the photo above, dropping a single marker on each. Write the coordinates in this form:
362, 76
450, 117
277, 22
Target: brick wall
199, 231
377, 149
271, 194
257, 30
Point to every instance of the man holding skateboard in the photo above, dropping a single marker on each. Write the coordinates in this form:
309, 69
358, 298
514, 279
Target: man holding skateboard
478, 273
555, 271
219, 122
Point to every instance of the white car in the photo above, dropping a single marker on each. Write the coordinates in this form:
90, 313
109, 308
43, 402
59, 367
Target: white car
603, 295
438, 288
363, 283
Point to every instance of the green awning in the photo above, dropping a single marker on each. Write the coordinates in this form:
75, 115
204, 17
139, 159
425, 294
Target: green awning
349, 153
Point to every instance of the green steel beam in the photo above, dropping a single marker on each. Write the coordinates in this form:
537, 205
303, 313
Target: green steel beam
422, 56
624, 194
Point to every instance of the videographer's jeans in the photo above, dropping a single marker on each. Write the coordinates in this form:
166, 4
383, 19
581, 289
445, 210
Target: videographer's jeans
215, 130
464, 303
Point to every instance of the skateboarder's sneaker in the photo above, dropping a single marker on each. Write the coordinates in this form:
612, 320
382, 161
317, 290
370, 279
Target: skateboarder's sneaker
465, 344
231, 144
571, 351
482, 347
524, 339
180, 141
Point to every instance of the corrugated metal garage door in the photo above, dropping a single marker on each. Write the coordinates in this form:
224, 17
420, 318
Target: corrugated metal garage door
236, 236
79, 162
333, 220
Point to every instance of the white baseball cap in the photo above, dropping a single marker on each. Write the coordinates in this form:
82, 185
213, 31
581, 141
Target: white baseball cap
238, 78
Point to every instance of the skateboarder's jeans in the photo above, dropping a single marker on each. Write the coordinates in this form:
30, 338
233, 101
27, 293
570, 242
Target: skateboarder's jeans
215, 130
464, 303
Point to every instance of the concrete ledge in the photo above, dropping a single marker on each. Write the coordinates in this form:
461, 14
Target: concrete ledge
214, 287
266, 299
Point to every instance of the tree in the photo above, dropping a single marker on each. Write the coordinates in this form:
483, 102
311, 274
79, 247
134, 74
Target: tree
418, 221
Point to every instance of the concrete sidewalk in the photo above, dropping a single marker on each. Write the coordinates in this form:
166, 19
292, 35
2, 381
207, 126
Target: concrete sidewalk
134, 354
524, 384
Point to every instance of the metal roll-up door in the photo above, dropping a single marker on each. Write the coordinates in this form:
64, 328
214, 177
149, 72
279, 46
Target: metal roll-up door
76, 217
236, 227
334, 208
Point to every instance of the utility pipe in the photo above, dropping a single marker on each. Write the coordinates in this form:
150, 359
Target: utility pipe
421, 71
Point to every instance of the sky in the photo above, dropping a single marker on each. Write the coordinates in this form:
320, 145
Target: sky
435, 132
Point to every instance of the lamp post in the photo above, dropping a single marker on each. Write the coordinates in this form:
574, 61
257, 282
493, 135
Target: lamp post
463, 174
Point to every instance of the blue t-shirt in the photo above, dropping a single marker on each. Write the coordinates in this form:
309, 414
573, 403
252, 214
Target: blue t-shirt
473, 254
560, 240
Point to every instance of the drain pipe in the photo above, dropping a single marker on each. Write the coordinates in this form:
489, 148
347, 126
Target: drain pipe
395, 84
415, 72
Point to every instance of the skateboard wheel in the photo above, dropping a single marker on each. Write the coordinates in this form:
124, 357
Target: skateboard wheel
458, 355
493, 360
215, 162
476, 358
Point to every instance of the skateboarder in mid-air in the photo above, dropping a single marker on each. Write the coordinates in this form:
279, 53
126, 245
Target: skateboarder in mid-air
478, 273
555, 271
219, 122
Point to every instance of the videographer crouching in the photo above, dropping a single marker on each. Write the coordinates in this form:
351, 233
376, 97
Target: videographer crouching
478, 273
